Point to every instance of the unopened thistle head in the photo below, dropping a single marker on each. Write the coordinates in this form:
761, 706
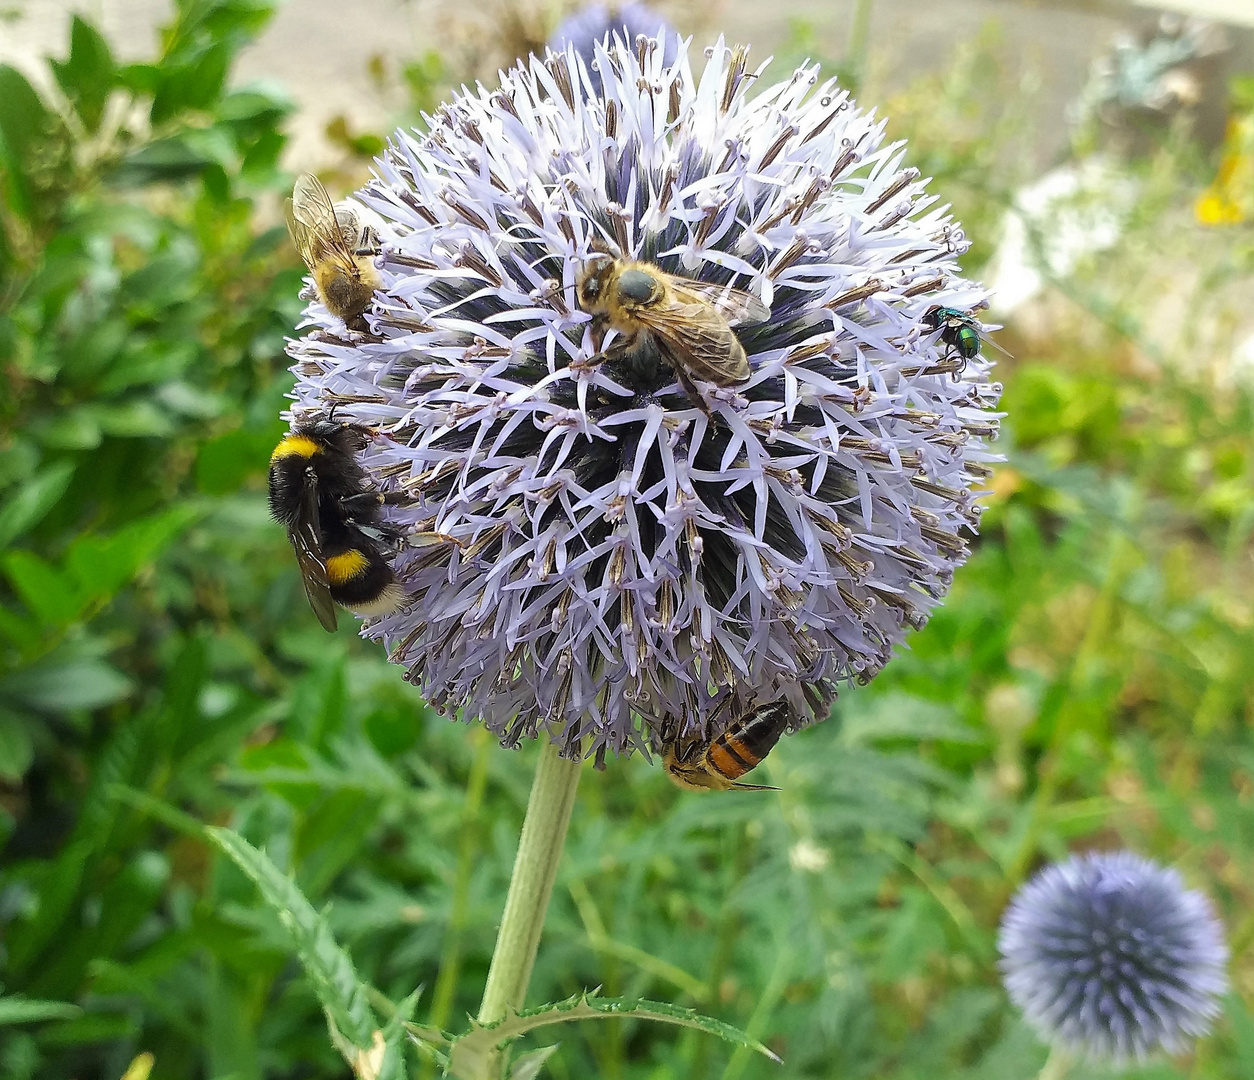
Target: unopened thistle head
592, 25
1111, 956
618, 558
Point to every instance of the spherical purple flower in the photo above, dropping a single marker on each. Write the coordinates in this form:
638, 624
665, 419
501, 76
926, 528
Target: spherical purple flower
618, 557
1111, 956
592, 25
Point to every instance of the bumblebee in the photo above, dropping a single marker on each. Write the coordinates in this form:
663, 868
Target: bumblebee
335, 246
959, 330
719, 763
318, 492
690, 321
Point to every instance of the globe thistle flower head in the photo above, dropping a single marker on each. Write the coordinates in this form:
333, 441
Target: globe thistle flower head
594, 25
1113, 957
594, 553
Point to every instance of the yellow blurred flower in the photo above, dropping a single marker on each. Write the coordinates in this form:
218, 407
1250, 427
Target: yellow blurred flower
1229, 200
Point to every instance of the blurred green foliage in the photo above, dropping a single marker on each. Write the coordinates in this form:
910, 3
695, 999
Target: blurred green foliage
1087, 683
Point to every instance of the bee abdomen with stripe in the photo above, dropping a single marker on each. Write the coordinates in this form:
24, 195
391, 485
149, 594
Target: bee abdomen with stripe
319, 493
720, 763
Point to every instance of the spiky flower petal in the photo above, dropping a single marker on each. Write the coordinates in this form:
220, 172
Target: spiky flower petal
1112, 956
621, 558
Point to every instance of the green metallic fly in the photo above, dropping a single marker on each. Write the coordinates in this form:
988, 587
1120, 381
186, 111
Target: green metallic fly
959, 330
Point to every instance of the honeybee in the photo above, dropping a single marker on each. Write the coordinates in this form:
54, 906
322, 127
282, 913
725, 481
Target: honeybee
335, 246
318, 491
690, 321
719, 763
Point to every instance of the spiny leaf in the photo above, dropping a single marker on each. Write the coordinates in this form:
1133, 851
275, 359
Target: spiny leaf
329, 967
527, 1066
472, 1052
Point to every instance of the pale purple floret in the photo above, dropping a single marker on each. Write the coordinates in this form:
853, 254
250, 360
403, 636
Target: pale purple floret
1113, 957
592, 25
618, 557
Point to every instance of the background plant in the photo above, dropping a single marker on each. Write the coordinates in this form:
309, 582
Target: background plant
1086, 683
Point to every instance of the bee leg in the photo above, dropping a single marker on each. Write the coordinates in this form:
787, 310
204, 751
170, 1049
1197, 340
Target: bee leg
363, 500
690, 387
368, 243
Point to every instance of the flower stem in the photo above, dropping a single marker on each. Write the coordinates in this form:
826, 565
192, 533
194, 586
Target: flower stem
539, 850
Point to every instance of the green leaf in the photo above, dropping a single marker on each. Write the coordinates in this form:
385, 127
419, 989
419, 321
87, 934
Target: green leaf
330, 969
903, 716
49, 594
32, 500
63, 685
162, 161
88, 75
101, 565
226, 462
471, 1053
22, 115
527, 1066
23, 119
16, 749
194, 86
20, 1010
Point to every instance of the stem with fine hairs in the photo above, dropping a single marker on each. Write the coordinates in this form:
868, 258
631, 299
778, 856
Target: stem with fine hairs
539, 851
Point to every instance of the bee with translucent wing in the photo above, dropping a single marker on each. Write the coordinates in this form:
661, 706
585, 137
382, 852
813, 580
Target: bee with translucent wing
336, 248
690, 321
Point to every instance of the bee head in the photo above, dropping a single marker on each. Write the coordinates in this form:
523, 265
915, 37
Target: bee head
592, 280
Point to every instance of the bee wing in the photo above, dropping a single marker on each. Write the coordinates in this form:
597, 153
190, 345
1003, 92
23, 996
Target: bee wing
306, 537
738, 307
698, 340
311, 220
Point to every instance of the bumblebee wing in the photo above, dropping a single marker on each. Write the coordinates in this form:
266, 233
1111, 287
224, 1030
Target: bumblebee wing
738, 307
698, 340
306, 537
312, 221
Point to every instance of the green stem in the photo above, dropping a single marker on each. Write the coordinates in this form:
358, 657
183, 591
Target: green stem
539, 850
859, 41
1056, 1067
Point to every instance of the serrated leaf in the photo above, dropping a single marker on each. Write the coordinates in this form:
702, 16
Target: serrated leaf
20, 1010
329, 968
472, 1052
527, 1066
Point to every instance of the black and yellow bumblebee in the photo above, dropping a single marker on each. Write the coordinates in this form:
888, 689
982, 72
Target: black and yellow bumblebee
319, 493
718, 764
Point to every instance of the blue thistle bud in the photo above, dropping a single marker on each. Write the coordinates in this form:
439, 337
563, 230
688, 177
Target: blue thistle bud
1112, 957
593, 25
